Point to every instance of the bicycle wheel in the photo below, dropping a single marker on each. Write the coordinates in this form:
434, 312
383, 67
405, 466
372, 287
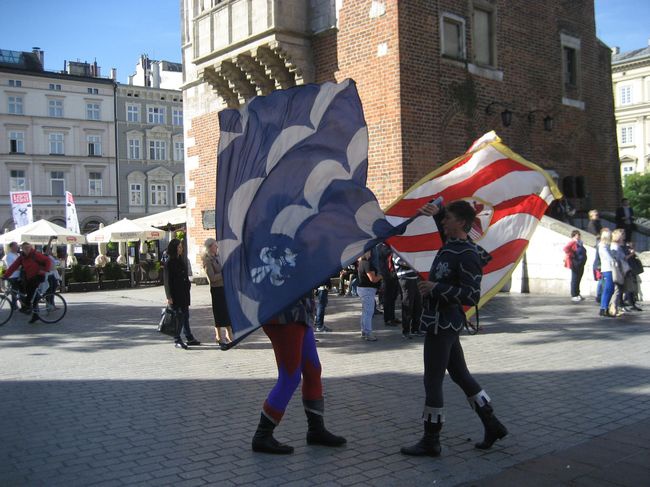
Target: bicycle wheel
50, 307
5, 309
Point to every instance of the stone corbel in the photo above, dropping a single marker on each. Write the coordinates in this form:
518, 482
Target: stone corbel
238, 80
220, 85
256, 73
276, 68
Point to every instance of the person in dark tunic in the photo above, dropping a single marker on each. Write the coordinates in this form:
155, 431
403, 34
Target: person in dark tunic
177, 290
454, 282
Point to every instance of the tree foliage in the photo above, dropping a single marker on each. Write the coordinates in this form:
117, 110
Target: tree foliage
637, 190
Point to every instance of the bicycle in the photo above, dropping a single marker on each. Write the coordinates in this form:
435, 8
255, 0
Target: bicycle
50, 307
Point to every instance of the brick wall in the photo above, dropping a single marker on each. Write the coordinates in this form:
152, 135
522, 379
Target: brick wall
352, 52
423, 110
201, 192
443, 105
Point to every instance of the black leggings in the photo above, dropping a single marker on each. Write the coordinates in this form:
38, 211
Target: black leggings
442, 351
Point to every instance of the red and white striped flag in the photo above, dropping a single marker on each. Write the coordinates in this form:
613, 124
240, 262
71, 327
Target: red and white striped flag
509, 193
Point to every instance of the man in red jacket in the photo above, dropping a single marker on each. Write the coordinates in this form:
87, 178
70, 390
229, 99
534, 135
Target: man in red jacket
35, 265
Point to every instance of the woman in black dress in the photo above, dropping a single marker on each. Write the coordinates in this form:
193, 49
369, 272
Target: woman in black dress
212, 267
177, 289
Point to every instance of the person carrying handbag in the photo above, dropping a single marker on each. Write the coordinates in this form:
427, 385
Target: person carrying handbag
177, 290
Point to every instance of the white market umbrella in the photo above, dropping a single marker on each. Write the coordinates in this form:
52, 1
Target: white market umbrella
165, 219
124, 231
40, 232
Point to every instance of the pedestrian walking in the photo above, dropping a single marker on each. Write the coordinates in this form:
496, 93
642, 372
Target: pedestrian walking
575, 257
177, 290
454, 282
212, 267
294, 345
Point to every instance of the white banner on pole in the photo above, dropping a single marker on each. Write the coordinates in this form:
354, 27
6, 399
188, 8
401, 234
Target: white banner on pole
21, 208
71, 220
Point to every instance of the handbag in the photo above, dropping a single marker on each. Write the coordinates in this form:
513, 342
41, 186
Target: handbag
617, 274
168, 324
636, 266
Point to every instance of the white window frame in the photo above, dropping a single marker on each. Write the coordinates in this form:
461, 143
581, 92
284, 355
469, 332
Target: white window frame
16, 83
134, 149
177, 116
159, 194
156, 115
57, 180
572, 92
135, 194
93, 111
55, 87
17, 182
55, 108
56, 142
179, 190
179, 149
157, 150
93, 91
460, 21
15, 105
132, 113
627, 134
17, 140
625, 95
94, 145
95, 183
491, 10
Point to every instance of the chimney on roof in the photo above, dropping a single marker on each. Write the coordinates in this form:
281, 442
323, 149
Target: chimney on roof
113, 75
616, 50
40, 55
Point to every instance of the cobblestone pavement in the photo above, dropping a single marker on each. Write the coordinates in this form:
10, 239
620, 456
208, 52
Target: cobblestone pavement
103, 399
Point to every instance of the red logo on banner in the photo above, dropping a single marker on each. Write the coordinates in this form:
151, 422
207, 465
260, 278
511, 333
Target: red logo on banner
19, 198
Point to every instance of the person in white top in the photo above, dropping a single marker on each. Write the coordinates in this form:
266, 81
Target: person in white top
8, 259
606, 265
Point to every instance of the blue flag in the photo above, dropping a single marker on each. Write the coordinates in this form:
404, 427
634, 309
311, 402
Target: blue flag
292, 203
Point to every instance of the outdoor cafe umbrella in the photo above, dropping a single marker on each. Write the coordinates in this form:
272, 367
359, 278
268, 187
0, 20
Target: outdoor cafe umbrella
40, 232
124, 231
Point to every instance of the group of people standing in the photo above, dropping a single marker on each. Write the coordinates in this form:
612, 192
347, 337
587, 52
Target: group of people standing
616, 266
177, 289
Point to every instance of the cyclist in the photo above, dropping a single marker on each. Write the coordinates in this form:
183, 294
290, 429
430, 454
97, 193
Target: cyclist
35, 265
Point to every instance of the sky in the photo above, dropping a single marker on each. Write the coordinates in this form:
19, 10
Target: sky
116, 32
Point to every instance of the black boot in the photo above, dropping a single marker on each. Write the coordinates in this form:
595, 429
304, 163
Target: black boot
429, 444
316, 432
494, 430
264, 442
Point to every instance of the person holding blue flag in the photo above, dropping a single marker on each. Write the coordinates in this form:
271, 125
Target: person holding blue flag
292, 336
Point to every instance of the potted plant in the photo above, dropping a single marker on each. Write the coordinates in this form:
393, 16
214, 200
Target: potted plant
82, 278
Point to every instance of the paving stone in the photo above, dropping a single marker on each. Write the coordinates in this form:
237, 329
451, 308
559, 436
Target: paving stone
110, 400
